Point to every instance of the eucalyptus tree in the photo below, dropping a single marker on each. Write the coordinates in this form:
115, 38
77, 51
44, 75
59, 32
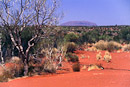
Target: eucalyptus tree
17, 15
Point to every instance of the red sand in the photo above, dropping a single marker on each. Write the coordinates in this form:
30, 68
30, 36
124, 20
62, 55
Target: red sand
115, 74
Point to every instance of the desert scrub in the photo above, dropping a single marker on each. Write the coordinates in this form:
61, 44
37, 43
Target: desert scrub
15, 66
110, 46
101, 45
76, 67
72, 57
49, 66
5, 74
71, 37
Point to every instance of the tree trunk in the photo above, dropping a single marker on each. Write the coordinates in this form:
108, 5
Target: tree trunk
25, 68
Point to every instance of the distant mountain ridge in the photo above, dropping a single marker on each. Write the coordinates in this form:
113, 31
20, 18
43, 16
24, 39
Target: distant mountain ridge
79, 23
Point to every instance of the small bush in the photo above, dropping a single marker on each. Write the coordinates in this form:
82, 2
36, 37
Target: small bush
5, 74
101, 45
49, 66
15, 60
72, 57
76, 67
71, 47
14, 67
126, 47
10, 71
71, 37
107, 57
110, 46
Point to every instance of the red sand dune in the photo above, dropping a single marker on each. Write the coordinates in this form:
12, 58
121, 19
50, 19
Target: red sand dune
115, 74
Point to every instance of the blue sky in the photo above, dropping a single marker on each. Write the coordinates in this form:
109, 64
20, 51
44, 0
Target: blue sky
101, 12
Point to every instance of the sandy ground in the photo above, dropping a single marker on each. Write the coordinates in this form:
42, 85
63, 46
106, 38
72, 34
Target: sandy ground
115, 74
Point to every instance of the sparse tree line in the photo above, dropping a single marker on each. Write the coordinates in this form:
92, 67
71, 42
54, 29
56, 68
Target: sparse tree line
94, 34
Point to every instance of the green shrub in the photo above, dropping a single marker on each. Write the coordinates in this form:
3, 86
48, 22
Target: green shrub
76, 67
71, 37
72, 57
91, 36
124, 34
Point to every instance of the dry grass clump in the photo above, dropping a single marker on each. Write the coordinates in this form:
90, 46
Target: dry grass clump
49, 66
15, 60
99, 56
126, 47
70, 47
95, 66
6, 75
107, 57
15, 65
76, 67
92, 49
9, 73
13, 68
110, 46
84, 67
101, 45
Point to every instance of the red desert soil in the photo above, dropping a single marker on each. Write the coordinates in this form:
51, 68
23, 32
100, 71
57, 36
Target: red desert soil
115, 74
